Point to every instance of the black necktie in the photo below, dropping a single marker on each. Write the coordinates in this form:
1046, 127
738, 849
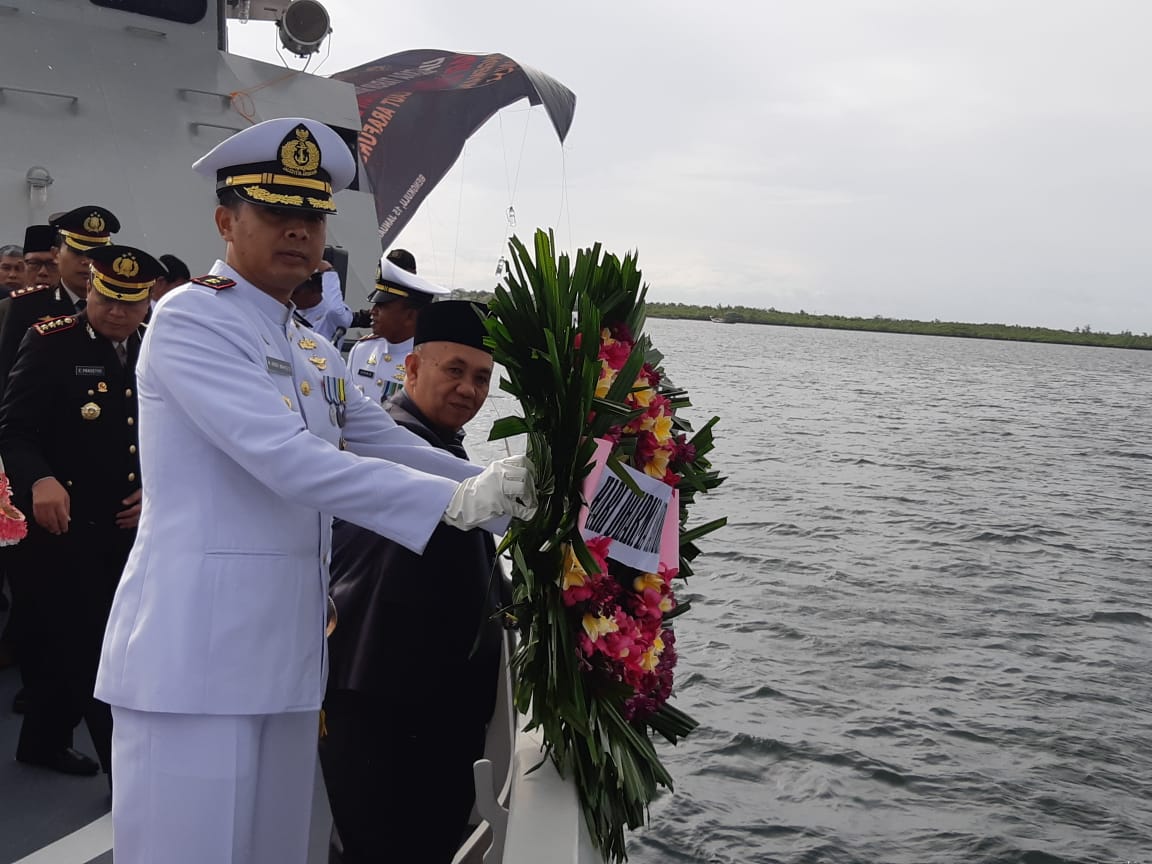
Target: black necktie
122, 353
80, 304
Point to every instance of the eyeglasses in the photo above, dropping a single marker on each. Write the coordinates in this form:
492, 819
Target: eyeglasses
35, 266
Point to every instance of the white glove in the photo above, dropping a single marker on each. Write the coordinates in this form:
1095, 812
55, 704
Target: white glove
505, 488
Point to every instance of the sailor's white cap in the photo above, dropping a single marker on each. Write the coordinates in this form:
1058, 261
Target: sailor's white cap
291, 163
393, 282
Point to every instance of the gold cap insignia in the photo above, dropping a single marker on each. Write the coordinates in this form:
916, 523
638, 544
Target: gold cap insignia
94, 223
126, 266
299, 154
89, 410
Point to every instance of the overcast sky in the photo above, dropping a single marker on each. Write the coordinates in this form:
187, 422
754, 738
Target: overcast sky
981, 160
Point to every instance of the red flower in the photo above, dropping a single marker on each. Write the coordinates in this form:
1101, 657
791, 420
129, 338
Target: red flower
615, 354
620, 332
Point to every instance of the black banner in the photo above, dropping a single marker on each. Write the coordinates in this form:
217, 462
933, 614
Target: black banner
417, 109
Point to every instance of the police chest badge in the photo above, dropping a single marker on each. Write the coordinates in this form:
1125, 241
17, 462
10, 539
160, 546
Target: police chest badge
89, 410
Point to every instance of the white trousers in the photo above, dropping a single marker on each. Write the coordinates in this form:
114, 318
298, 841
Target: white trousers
212, 789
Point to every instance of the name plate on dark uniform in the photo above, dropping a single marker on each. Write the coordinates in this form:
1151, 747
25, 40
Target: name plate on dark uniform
94, 371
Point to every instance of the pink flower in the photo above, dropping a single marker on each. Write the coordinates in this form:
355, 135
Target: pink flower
615, 354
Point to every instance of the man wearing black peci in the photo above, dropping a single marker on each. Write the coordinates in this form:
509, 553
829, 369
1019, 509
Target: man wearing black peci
68, 438
408, 701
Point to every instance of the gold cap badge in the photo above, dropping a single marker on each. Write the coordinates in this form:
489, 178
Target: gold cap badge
125, 265
299, 154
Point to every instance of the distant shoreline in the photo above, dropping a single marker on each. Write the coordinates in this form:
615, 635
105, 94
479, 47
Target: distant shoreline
879, 324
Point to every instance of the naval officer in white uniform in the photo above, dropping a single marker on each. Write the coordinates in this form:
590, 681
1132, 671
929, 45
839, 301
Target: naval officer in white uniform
377, 360
252, 438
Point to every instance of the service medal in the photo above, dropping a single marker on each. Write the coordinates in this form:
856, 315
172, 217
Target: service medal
335, 396
89, 410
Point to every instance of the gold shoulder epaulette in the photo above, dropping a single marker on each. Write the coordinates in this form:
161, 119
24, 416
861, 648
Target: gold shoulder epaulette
56, 325
216, 283
24, 292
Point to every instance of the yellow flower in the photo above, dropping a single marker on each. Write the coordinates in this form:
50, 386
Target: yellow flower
607, 376
641, 393
658, 467
647, 580
651, 657
574, 575
661, 427
597, 625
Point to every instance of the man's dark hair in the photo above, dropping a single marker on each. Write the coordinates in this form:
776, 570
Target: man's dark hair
176, 270
229, 197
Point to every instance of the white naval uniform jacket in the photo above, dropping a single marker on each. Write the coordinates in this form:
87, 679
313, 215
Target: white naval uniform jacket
377, 366
223, 603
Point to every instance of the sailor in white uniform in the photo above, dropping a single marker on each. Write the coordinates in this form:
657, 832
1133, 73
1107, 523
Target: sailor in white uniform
252, 438
377, 360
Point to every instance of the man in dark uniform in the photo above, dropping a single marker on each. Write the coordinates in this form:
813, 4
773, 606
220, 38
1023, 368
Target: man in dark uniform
68, 438
79, 231
39, 264
408, 701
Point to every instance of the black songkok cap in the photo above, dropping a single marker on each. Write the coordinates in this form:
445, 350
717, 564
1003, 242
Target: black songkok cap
459, 321
39, 238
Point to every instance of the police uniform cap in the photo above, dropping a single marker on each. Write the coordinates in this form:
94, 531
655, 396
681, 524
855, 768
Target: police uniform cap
86, 227
290, 163
124, 273
459, 321
393, 283
39, 238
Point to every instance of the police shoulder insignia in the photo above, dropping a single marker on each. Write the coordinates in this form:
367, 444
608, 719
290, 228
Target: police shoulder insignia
24, 292
56, 325
216, 283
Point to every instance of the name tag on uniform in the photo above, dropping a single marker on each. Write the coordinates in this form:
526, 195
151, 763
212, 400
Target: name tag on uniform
95, 371
367, 373
279, 367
